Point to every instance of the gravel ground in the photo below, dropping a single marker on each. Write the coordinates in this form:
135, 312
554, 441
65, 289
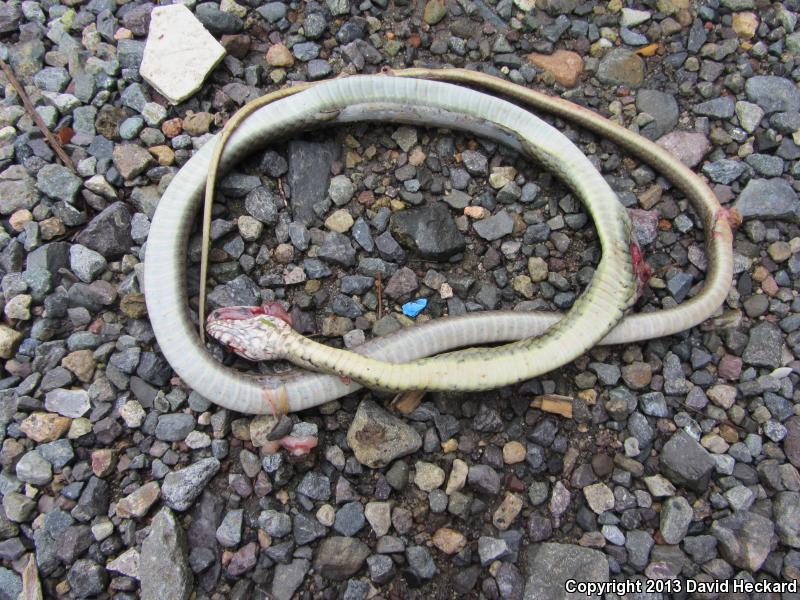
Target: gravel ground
681, 457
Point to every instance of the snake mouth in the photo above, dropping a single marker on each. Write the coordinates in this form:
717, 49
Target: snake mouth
240, 313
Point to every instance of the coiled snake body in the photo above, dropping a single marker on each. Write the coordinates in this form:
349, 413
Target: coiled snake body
406, 97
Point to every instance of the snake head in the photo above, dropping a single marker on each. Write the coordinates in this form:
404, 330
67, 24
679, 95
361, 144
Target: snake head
252, 332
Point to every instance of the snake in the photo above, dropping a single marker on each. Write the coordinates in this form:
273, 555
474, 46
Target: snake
165, 262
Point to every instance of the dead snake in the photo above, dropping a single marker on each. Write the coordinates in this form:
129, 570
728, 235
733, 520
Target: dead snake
165, 262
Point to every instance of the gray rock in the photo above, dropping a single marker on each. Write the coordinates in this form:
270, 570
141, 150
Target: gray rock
551, 565
420, 564
17, 190
34, 469
676, 515
510, 582
632, 38
94, 500
17, 507
662, 107
273, 11
764, 346
475, 162
260, 203
654, 404
68, 403
182, 487
341, 190
786, 508
429, 231
768, 199
229, 532
685, 462
484, 479
340, 557
766, 165
338, 7
638, 544
674, 380
58, 182
377, 437
491, 549
164, 570
299, 235
494, 227
701, 548
318, 69
239, 185
109, 233
288, 578
58, 453
745, 539
791, 443
350, 519
381, 568
9, 21
306, 529
73, 542
487, 420
305, 158
724, 171
315, 486
607, 374
305, 51
174, 427
773, 94
242, 291
315, 268
133, 96
621, 67
679, 285
10, 584
388, 247
217, 21
130, 53
85, 263
87, 579
337, 249
273, 164
718, 108
314, 25
276, 524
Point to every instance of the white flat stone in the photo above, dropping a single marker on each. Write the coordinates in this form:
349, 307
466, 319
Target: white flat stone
179, 54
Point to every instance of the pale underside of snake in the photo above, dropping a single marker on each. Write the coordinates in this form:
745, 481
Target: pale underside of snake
165, 260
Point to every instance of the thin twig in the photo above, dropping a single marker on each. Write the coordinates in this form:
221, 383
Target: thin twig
26, 102
379, 286
406, 402
282, 193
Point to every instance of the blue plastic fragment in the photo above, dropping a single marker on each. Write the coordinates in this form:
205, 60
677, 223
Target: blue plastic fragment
413, 308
